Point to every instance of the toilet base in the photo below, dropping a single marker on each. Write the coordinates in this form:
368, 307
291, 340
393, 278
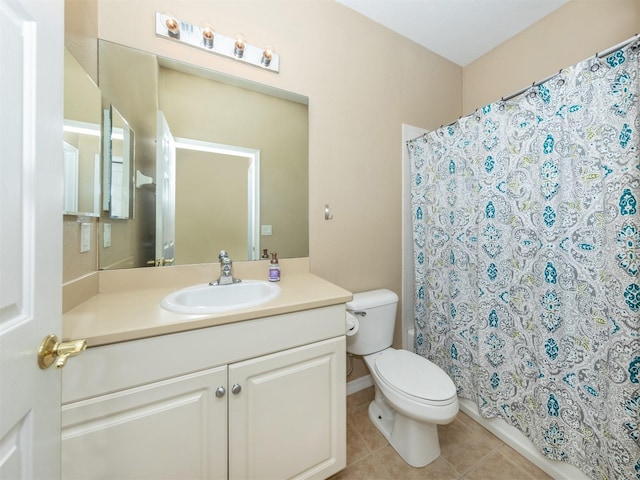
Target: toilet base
416, 442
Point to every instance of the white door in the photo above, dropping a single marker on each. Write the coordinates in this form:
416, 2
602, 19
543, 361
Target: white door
31, 86
165, 193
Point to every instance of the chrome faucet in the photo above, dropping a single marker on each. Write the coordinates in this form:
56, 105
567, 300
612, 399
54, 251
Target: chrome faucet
226, 270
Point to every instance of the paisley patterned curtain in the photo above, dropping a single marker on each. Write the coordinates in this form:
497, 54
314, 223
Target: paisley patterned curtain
526, 240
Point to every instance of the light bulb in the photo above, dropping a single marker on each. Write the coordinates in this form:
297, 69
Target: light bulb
207, 36
267, 55
238, 47
173, 27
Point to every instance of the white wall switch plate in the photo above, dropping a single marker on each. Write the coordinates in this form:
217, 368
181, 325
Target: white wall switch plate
85, 237
267, 230
106, 235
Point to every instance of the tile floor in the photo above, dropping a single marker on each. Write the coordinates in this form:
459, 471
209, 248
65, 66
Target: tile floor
468, 451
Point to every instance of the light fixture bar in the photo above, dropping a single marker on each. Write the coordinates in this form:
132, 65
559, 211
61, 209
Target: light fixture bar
85, 128
205, 39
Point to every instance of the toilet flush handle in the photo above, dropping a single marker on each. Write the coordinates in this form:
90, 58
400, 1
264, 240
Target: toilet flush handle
360, 313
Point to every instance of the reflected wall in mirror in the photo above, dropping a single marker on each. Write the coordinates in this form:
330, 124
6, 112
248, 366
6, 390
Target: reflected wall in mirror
204, 106
82, 127
237, 217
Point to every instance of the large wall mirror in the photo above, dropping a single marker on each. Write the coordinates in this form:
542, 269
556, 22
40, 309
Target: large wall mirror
212, 198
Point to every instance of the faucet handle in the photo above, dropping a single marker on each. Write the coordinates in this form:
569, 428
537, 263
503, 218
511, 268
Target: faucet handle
223, 254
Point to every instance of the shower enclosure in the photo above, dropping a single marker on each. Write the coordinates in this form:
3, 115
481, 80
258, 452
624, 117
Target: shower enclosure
525, 233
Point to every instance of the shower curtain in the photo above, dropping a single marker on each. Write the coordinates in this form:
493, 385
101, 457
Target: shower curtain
526, 237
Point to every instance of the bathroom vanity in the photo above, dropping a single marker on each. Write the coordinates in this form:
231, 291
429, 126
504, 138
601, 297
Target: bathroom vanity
255, 393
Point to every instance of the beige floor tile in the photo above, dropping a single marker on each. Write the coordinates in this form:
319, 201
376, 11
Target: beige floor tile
359, 399
453, 430
370, 433
439, 469
369, 468
398, 469
356, 446
469, 451
463, 445
393, 463
496, 467
533, 471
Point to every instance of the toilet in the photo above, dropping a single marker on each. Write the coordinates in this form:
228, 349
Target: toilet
412, 395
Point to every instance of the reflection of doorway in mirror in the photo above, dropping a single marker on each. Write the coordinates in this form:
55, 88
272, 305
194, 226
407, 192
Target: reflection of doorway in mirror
165, 193
71, 160
221, 210
81, 146
119, 201
119, 163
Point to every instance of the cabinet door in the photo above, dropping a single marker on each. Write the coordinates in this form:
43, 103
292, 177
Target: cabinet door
289, 418
172, 429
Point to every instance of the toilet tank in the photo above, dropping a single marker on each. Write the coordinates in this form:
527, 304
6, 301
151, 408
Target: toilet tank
375, 311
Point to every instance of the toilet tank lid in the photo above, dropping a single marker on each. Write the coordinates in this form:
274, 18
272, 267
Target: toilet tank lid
372, 298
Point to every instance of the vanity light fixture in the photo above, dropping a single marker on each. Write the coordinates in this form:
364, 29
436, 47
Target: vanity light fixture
83, 128
206, 38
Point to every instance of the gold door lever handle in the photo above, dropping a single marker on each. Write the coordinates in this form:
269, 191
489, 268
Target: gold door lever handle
51, 350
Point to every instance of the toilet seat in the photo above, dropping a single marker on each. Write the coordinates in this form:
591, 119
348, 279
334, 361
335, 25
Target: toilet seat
415, 376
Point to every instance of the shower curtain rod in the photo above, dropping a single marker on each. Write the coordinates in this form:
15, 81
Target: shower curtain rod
540, 82
597, 55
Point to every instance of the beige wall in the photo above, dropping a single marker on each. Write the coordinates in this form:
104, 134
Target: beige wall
363, 81
211, 209
81, 33
76, 264
567, 36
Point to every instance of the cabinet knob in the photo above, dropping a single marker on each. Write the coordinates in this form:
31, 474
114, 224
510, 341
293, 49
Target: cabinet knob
236, 388
220, 391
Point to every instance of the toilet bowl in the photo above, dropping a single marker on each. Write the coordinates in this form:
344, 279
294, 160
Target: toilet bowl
413, 385
412, 394
407, 412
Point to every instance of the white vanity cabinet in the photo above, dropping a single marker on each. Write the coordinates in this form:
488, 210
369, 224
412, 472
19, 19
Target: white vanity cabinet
174, 428
284, 422
259, 399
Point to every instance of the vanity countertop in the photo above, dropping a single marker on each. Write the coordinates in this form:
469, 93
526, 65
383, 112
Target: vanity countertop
125, 312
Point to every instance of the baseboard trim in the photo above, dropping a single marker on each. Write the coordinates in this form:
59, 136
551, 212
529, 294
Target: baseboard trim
359, 384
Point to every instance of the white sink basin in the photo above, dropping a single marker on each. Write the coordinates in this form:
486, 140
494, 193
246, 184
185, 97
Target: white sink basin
205, 298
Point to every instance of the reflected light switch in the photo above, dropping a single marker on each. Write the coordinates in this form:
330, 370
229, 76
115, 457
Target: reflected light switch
85, 237
267, 230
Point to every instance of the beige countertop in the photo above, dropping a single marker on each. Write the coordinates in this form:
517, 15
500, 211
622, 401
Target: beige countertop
127, 303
